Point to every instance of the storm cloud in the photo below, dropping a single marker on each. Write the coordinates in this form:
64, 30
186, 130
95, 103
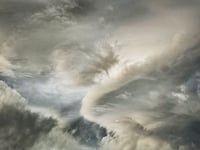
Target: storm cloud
127, 69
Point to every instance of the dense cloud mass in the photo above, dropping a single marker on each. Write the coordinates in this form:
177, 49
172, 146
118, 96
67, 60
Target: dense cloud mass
99, 74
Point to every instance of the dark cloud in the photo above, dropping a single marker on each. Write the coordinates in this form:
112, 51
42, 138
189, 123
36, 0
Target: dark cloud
20, 129
185, 133
83, 7
13, 14
86, 132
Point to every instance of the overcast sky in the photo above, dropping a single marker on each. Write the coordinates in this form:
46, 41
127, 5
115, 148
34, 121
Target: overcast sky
129, 66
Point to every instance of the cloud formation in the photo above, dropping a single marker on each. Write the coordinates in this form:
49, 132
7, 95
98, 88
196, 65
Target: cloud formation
22, 129
138, 61
93, 62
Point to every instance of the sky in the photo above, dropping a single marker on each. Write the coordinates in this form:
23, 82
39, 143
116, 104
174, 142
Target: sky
99, 74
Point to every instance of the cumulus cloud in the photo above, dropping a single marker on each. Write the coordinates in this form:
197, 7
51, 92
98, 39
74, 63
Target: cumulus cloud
6, 67
56, 139
22, 129
10, 96
19, 128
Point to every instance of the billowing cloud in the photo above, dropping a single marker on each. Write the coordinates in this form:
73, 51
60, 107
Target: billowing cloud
10, 96
147, 101
138, 61
22, 129
93, 62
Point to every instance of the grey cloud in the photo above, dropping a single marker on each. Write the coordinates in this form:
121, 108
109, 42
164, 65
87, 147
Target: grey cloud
164, 94
93, 61
6, 67
150, 102
20, 128
14, 13
28, 23
86, 132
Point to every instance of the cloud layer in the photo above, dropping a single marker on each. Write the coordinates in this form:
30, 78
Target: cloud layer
131, 67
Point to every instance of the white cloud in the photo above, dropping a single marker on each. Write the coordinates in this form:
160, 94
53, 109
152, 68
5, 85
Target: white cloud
10, 97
